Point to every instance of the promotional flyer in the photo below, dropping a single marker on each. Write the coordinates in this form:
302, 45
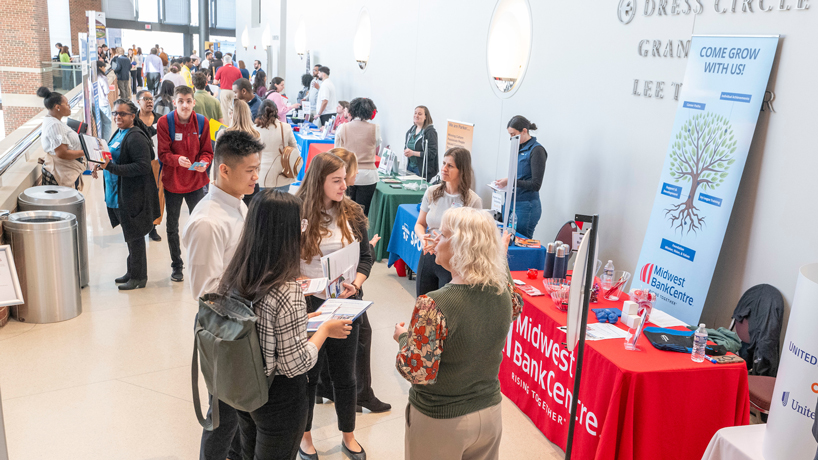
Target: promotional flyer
720, 100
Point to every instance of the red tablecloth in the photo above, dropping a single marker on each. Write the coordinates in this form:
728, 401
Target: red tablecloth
632, 405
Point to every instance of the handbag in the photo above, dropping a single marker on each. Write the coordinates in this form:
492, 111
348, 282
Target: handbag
290, 164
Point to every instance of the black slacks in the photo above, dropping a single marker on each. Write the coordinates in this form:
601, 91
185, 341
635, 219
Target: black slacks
173, 207
137, 262
363, 369
431, 276
274, 431
339, 356
224, 441
362, 194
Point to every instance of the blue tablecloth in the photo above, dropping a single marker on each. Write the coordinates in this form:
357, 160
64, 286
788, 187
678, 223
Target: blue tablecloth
304, 142
404, 244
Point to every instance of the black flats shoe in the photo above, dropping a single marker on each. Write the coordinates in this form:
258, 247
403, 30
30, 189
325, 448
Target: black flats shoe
353, 455
132, 284
305, 456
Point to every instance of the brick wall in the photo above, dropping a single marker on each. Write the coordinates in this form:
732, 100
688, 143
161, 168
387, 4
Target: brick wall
79, 22
24, 42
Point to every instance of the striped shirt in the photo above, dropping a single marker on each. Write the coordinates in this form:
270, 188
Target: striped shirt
282, 332
54, 134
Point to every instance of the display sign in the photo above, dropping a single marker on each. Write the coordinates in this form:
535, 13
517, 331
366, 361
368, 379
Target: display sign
459, 134
718, 110
215, 127
792, 411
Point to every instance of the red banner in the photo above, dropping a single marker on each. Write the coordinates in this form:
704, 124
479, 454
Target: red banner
631, 405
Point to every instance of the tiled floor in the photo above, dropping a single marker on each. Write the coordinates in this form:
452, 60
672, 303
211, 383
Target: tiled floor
114, 383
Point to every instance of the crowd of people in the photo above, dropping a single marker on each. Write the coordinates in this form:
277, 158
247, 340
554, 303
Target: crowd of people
247, 236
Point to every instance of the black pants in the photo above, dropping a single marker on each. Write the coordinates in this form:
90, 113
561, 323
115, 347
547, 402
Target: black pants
274, 431
134, 84
363, 369
137, 257
325, 118
224, 441
362, 194
152, 80
339, 357
431, 276
173, 207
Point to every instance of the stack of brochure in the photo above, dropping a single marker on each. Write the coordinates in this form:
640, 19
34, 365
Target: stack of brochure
338, 309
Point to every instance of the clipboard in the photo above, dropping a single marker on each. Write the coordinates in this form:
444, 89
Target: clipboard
96, 150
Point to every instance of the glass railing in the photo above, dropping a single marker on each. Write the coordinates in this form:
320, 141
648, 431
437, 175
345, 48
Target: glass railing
65, 76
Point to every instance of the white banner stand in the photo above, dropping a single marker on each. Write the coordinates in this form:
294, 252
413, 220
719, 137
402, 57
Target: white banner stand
792, 412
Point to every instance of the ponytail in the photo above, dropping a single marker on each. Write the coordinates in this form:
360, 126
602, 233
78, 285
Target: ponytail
519, 123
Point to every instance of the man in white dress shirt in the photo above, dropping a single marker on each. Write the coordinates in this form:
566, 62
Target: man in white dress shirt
211, 236
327, 100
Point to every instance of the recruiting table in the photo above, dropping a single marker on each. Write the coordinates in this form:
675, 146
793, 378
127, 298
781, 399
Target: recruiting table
383, 210
632, 405
304, 140
404, 244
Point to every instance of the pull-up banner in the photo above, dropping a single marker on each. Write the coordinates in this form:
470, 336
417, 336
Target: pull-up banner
719, 103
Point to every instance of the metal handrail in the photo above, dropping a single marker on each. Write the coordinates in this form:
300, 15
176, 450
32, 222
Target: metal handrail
13, 154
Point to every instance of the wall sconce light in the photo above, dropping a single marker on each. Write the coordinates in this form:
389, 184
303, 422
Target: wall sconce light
362, 42
245, 38
301, 39
509, 44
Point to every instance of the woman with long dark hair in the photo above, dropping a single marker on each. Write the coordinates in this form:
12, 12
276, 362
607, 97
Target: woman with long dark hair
530, 173
264, 271
260, 84
275, 136
164, 104
130, 189
276, 95
454, 191
334, 222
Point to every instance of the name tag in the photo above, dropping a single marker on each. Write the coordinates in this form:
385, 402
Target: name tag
115, 145
178, 137
457, 204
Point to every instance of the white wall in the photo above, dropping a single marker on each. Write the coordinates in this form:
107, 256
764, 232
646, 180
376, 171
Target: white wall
271, 15
59, 26
606, 147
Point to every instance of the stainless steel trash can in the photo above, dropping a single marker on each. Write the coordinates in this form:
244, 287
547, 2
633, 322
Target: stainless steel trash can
44, 244
65, 199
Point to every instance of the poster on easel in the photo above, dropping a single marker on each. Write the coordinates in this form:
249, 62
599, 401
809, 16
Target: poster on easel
459, 134
719, 105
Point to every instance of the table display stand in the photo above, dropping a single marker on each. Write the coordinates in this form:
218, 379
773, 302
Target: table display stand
586, 296
424, 184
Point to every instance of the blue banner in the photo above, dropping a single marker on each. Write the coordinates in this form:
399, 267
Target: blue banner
726, 77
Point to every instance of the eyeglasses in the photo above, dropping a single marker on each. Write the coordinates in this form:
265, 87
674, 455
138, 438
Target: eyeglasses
121, 114
146, 99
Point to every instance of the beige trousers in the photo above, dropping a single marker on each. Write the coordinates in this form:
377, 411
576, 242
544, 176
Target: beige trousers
226, 97
474, 436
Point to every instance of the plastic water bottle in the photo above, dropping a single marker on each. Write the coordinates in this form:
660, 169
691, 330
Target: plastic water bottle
512, 226
699, 344
607, 276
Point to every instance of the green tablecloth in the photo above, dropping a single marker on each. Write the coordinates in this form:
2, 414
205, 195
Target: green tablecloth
383, 210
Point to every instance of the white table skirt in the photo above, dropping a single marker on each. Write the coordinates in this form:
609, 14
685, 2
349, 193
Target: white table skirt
736, 443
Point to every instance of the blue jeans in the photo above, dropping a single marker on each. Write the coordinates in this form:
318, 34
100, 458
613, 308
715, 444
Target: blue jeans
528, 215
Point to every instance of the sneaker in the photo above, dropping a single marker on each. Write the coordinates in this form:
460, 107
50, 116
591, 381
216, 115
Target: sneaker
154, 236
177, 275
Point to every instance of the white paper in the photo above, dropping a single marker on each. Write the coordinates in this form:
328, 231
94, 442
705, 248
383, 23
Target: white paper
338, 309
497, 199
662, 319
409, 177
97, 148
497, 188
313, 286
340, 267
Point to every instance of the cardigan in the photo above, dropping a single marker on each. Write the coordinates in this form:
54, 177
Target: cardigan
429, 134
138, 196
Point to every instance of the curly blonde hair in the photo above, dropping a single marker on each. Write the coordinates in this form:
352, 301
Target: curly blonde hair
477, 253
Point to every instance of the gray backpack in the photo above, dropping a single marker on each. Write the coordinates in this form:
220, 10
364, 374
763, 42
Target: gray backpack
227, 344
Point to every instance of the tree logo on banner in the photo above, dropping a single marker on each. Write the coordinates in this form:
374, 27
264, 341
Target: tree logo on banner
702, 154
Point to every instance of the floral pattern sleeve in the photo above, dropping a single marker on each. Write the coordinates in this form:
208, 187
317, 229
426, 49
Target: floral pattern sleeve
516, 302
422, 345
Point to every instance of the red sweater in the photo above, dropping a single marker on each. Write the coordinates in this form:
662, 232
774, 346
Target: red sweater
227, 75
175, 178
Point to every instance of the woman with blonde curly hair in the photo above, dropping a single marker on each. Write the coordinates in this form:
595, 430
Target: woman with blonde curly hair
455, 394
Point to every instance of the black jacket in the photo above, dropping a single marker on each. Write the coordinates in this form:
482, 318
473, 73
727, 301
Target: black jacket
138, 196
428, 134
763, 305
122, 69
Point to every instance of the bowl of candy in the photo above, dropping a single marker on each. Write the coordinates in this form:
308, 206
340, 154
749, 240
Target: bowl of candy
550, 283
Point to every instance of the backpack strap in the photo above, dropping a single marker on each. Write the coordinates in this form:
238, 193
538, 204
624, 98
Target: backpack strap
172, 124
212, 422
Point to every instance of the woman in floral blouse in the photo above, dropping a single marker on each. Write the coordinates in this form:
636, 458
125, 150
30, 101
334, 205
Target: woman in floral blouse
452, 397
